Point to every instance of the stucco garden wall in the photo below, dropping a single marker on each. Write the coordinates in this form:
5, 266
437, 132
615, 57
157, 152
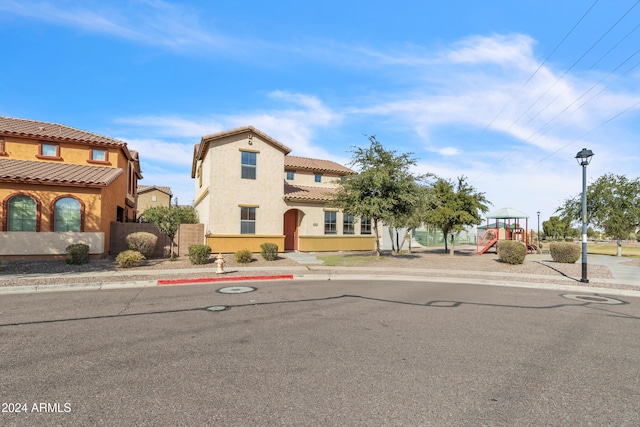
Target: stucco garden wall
26, 243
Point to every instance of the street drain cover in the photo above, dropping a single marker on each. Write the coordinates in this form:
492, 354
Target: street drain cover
236, 290
217, 308
593, 298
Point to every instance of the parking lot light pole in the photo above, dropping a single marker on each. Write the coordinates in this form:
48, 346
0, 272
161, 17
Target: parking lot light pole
584, 158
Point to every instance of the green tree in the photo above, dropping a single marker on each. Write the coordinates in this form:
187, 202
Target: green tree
558, 227
169, 218
456, 205
613, 204
409, 221
383, 190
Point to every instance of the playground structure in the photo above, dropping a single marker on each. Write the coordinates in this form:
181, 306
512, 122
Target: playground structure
507, 226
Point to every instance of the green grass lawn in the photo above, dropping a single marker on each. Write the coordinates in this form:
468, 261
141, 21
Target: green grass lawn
605, 249
346, 260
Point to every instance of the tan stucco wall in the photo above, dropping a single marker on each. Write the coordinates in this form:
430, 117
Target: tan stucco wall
307, 178
145, 200
312, 221
48, 243
228, 191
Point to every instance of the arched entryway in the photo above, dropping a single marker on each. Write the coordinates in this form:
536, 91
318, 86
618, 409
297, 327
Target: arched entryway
291, 222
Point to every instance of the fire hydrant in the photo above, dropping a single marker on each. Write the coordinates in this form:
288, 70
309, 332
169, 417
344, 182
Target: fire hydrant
220, 263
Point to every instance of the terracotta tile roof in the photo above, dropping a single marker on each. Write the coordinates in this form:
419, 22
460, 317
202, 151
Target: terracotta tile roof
54, 131
317, 165
33, 172
145, 188
314, 194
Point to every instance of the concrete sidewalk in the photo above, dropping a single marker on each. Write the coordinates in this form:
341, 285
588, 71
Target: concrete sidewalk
625, 276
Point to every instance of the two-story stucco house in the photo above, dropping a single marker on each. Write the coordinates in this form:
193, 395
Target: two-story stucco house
249, 190
151, 196
60, 185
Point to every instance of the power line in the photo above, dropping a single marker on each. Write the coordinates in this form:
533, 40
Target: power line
533, 75
574, 64
543, 62
615, 116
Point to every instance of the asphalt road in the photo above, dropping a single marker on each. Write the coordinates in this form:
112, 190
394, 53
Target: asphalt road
319, 354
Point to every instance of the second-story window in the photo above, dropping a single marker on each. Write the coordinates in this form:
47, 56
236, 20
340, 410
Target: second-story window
98, 155
290, 175
49, 150
248, 165
317, 178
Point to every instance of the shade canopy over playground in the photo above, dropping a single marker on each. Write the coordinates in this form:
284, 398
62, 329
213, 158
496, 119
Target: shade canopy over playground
503, 228
507, 213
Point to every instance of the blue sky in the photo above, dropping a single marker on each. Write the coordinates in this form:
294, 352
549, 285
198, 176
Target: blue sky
503, 92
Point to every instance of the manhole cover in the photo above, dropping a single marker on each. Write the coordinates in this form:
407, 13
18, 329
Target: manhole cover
593, 298
236, 290
217, 308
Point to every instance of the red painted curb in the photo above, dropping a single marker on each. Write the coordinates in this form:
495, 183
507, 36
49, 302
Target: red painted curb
221, 279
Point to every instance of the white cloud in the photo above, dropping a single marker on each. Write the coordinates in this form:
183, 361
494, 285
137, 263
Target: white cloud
512, 50
173, 126
295, 127
159, 151
150, 22
448, 151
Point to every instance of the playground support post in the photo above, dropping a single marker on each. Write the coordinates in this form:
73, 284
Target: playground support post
584, 157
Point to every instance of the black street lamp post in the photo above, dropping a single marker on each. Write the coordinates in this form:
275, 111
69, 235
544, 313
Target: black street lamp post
539, 251
584, 158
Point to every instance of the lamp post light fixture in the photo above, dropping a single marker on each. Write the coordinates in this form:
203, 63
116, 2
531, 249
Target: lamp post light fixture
584, 158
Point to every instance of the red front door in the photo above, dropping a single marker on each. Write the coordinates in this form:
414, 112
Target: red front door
291, 230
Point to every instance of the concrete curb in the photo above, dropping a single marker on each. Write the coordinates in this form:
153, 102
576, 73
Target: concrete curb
318, 277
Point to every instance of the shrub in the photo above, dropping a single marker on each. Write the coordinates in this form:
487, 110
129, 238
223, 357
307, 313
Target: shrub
142, 242
511, 252
244, 256
564, 252
269, 251
128, 259
199, 254
77, 254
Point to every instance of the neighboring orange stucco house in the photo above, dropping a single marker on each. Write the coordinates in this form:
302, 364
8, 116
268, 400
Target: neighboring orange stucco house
60, 185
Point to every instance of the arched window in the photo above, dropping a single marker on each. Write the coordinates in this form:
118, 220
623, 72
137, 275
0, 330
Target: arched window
21, 214
66, 215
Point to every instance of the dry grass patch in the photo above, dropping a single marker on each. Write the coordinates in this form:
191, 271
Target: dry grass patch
627, 250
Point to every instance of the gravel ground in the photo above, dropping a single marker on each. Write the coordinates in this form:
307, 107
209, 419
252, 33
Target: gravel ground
464, 264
